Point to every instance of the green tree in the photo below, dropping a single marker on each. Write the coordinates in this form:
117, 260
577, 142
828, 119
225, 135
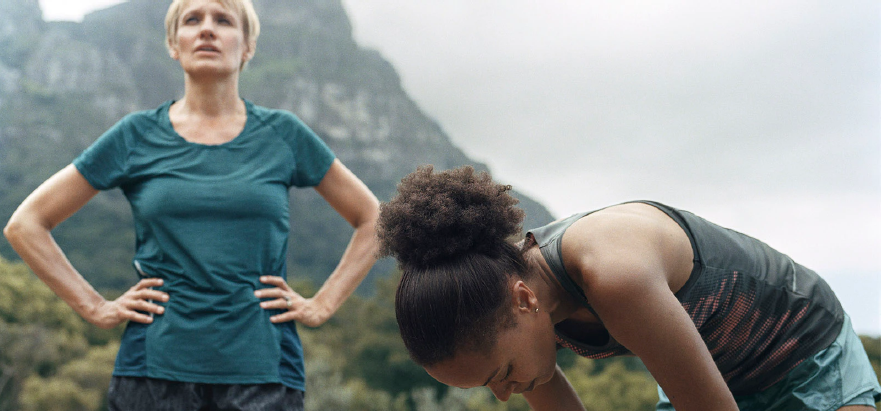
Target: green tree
80, 384
55, 395
329, 389
38, 332
365, 330
50, 358
613, 388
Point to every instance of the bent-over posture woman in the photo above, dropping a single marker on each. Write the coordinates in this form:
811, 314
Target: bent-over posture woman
720, 319
211, 324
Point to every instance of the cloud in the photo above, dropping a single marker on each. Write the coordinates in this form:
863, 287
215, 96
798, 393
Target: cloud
636, 77
54, 10
765, 114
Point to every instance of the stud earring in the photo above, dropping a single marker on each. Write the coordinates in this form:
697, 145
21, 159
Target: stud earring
536, 309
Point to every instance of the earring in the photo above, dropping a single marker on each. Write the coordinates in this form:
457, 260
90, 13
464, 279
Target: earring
536, 309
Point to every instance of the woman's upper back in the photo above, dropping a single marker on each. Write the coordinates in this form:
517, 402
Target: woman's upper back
758, 312
629, 234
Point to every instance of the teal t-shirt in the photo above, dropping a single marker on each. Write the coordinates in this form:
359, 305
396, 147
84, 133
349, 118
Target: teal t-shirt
210, 220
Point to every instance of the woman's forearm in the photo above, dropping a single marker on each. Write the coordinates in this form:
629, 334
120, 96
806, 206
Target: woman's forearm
29, 233
356, 204
355, 263
555, 395
38, 249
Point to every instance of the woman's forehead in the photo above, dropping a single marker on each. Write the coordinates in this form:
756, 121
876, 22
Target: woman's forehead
465, 370
188, 5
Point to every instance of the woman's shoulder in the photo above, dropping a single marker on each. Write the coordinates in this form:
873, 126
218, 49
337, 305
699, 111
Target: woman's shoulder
153, 115
285, 127
626, 239
629, 221
274, 117
140, 123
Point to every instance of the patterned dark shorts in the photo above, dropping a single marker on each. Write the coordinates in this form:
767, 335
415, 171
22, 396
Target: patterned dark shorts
148, 394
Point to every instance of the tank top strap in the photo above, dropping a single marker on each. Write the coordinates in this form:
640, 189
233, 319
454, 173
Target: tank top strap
550, 242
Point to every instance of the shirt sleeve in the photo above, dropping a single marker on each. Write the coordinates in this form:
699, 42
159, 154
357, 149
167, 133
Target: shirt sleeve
312, 156
104, 163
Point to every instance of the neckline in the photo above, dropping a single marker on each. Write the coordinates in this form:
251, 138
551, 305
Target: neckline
610, 343
166, 118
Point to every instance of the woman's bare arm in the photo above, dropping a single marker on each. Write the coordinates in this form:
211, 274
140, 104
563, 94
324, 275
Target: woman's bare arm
29, 233
623, 264
357, 204
555, 395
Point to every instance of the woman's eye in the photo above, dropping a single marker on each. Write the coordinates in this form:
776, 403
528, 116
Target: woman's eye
507, 374
191, 20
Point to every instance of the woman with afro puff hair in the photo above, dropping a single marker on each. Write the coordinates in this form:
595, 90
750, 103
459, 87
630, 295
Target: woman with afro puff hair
721, 320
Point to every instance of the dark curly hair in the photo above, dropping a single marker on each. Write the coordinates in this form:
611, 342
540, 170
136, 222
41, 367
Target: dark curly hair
449, 232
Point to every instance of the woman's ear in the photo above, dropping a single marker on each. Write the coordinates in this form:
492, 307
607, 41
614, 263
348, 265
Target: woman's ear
523, 298
250, 48
173, 51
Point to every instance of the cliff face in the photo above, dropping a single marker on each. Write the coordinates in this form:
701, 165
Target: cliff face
63, 84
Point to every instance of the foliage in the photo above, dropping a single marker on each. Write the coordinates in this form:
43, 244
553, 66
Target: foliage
50, 359
38, 332
80, 384
614, 388
873, 349
328, 389
365, 329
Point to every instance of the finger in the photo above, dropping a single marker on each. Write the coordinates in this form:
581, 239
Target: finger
274, 280
299, 316
146, 306
270, 293
148, 282
283, 317
137, 317
148, 294
277, 304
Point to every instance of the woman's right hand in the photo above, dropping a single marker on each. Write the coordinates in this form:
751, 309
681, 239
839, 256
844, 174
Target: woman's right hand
29, 231
131, 305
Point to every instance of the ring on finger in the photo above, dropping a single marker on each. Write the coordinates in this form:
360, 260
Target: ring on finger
289, 301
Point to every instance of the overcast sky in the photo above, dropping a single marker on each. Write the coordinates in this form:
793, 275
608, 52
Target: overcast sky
759, 115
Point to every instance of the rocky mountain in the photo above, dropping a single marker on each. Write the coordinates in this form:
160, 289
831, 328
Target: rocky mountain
62, 84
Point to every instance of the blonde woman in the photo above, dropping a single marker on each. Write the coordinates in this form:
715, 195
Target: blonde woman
211, 323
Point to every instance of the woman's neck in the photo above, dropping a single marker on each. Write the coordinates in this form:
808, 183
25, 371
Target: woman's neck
211, 97
552, 297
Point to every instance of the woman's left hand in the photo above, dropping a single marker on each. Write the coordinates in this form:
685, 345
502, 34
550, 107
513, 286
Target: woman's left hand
306, 311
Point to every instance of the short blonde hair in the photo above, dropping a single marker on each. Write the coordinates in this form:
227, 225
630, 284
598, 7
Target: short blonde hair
245, 9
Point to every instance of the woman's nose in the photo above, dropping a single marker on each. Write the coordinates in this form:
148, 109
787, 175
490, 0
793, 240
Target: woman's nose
207, 29
502, 391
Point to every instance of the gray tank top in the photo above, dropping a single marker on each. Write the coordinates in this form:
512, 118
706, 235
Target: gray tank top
760, 313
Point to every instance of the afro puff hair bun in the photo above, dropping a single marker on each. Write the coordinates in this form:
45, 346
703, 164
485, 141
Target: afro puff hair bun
439, 217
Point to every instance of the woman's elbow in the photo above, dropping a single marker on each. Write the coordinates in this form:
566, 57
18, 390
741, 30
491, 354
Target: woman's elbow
20, 225
369, 216
13, 229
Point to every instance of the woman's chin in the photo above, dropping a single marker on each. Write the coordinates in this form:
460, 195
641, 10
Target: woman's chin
546, 376
209, 69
